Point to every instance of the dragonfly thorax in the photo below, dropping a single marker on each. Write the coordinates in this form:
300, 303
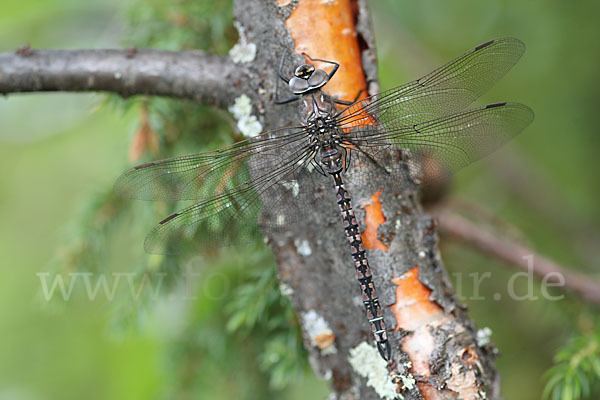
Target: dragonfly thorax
317, 113
323, 133
315, 106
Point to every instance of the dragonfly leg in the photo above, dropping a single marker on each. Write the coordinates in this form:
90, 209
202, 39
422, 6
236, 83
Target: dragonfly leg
347, 103
280, 71
286, 80
318, 167
335, 65
287, 100
346, 157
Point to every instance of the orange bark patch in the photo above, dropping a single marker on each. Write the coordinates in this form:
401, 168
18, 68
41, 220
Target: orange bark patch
325, 29
324, 340
414, 311
373, 218
412, 304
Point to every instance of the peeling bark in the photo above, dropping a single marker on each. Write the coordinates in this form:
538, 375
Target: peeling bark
314, 260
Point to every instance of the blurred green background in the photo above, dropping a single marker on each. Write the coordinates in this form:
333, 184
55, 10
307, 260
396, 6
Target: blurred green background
233, 335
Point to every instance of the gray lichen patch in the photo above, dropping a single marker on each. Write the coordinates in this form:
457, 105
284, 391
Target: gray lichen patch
408, 381
293, 186
367, 362
286, 289
303, 247
242, 51
242, 112
319, 332
483, 336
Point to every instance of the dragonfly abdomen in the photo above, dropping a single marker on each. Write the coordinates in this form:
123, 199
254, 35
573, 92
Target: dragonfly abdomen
363, 271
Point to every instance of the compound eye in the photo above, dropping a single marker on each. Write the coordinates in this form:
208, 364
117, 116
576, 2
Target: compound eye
304, 71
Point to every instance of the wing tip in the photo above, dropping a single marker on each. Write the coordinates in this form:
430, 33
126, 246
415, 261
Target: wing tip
155, 246
484, 45
523, 107
507, 39
120, 187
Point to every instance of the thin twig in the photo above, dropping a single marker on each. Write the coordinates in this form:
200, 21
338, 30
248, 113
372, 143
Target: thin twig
517, 254
522, 176
184, 74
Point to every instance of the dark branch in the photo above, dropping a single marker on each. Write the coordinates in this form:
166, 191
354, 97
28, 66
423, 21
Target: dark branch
516, 254
184, 74
523, 177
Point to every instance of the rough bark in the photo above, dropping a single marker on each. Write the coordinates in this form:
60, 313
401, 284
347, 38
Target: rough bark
184, 74
322, 280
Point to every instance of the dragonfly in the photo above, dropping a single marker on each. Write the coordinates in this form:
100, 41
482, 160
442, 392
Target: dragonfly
398, 131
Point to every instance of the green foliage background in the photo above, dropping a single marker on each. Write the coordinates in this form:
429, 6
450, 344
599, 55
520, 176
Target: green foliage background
229, 333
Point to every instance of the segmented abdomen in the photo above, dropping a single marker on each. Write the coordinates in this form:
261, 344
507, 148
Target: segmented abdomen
363, 271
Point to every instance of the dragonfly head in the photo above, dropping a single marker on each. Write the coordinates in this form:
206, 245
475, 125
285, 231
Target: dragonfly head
307, 78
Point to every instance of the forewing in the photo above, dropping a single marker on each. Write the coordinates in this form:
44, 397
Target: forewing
446, 90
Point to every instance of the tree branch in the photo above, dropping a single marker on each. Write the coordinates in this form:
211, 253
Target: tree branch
528, 181
184, 74
516, 254
312, 253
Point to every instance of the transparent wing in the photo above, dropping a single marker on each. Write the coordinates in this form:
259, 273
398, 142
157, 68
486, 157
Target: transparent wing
200, 176
446, 90
453, 141
231, 214
420, 115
